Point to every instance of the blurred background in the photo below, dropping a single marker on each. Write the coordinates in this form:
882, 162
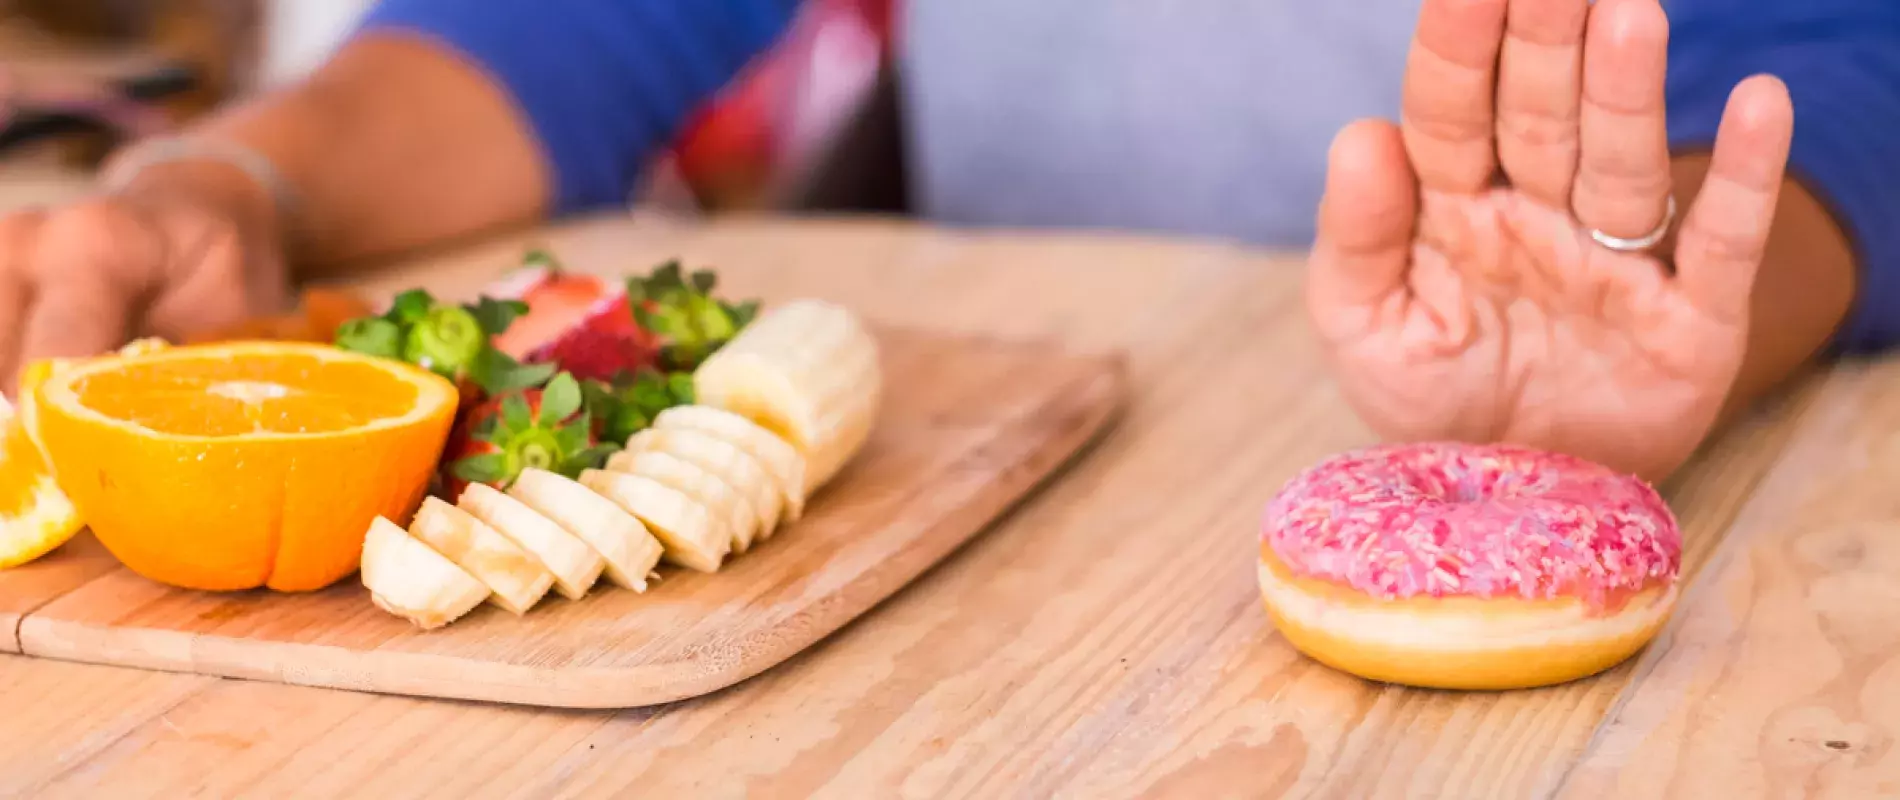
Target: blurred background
79, 77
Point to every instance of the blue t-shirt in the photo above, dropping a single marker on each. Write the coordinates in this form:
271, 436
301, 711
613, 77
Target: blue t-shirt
1209, 118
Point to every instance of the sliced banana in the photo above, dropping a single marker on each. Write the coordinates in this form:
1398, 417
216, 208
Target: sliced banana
719, 497
514, 575
406, 578
732, 465
779, 459
629, 548
806, 370
693, 537
575, 565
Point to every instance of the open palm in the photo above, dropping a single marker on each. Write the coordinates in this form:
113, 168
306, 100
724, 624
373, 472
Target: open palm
1455, 280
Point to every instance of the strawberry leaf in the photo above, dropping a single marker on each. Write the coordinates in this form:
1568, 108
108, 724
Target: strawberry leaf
560, 399
667, 277
496, 373
743, 313
516, 416
575, 436
539, 257
409, 307
496, 315
373, 336
680, 386
484, 468
704, 280
588, 458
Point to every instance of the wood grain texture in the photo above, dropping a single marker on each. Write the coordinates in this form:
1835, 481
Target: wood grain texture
30, 586
1783, 665
966, 429
1103, 641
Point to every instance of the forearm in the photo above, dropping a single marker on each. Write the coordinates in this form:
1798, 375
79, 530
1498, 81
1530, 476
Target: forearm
393, 144
1802, 293
442, 119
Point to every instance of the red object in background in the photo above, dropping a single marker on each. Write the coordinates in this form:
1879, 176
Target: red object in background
762, 130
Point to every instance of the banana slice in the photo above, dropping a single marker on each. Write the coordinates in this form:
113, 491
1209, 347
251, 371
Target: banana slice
719, 497
726, 461
514, 575
575, 565
808, 371
406, 578
693, 537
629, 548
779, 459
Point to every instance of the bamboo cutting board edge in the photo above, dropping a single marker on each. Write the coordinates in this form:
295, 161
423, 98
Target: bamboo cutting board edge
1072, 416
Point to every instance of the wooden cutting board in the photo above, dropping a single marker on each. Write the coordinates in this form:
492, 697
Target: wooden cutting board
968, 429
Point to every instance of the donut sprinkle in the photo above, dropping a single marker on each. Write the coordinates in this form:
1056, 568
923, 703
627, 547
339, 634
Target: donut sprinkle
1446, 519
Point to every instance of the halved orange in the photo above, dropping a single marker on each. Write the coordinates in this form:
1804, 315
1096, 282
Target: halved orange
238, 465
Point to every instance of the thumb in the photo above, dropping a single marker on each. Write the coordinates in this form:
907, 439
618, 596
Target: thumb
1366, 218
93, 266
1725, 234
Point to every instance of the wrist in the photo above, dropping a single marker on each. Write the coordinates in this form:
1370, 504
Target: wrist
154, 174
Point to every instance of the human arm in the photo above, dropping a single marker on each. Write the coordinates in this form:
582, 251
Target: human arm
438, 119
1829, 280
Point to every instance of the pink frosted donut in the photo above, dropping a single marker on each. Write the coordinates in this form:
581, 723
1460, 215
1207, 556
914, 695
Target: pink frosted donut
1468, 566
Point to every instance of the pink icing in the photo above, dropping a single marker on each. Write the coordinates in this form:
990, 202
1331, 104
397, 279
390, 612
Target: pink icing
1445, 519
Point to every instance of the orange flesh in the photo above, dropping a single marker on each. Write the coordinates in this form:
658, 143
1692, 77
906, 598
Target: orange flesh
1465, 668
235, 466
21, 469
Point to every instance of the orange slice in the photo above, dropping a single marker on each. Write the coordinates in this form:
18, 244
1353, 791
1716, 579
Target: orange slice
246, 464
35, 517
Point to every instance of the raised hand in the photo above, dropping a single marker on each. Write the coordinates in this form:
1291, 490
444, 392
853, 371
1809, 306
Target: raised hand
1456, 282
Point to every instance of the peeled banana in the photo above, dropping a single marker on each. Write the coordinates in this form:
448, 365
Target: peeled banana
719, 497
779, 459
808, 371
627, 546
693, 537
726, 461
575, 565
407, 578
516, 578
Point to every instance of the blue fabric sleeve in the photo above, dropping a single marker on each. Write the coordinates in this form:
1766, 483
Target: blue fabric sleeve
1841, 62
604, 84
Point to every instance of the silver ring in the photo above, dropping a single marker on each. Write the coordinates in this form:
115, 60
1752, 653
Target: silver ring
1647, 240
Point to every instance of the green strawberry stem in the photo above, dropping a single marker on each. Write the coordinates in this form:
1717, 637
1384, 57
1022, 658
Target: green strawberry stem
558, 437
446, 339
680, 309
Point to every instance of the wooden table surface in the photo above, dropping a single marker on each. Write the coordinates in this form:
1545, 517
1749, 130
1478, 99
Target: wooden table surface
1106, 640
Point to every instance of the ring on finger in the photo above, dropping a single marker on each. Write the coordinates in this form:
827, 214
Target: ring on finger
1645, 241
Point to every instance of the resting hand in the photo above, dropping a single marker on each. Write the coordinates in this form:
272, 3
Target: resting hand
164, 260
1455, 281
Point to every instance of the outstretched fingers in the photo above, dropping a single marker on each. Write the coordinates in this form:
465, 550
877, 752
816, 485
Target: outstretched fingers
1623, 180
1539, 81
1450, 80
1366, 222
1725, 233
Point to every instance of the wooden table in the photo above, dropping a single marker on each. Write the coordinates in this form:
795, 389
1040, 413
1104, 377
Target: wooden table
1106, 640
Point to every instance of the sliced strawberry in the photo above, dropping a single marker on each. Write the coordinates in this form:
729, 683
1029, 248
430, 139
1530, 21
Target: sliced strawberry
605, 345
557, 301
